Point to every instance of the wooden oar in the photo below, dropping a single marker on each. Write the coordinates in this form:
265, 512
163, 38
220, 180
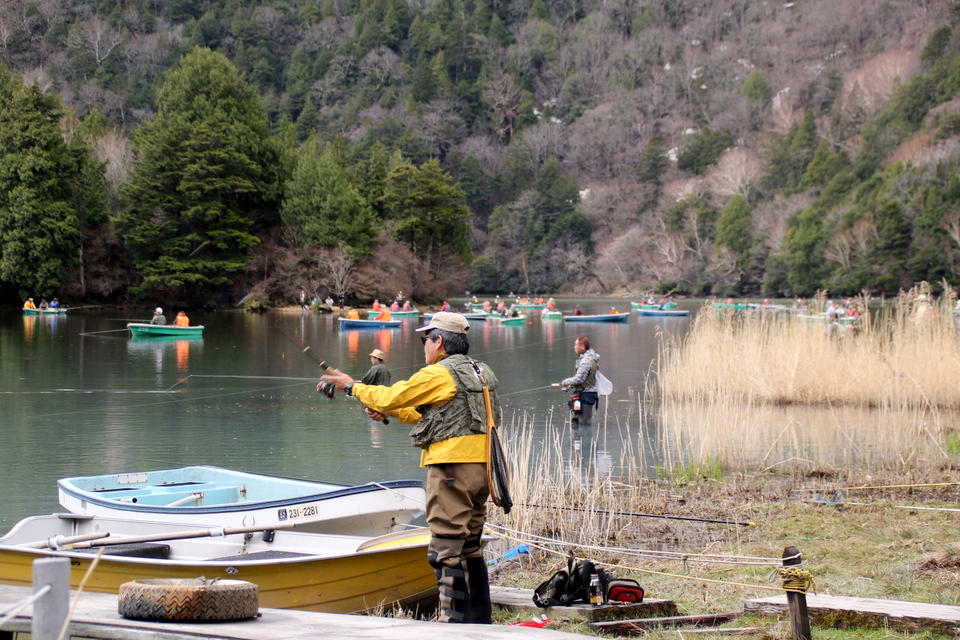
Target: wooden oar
60, 541
177, 535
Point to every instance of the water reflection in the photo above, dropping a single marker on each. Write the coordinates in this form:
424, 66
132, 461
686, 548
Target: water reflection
244, 396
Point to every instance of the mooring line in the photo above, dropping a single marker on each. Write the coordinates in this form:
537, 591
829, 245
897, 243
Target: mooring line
715, 558
638, 569
640, 515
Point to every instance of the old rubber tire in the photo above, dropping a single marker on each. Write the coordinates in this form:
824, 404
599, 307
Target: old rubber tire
195, 600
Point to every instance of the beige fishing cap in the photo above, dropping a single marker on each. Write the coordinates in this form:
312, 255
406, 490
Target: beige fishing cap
376, 353
447, 321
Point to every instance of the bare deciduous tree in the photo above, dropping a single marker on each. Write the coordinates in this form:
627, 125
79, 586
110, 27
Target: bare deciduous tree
381, 64
95, 36
503, 96
335, 269
736, 173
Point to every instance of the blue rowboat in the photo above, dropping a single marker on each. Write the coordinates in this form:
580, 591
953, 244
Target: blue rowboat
145, 329
347, 323
663, 312
211, 495
601, 317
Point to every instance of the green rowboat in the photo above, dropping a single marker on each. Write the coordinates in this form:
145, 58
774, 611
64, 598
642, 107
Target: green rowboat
145, 329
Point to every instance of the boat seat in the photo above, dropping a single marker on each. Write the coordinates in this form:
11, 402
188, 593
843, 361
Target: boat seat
261, 555
133, 550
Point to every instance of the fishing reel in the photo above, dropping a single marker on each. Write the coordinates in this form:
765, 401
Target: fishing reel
326, 388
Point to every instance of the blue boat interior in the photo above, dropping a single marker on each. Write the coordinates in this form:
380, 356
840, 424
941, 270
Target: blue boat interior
180, 487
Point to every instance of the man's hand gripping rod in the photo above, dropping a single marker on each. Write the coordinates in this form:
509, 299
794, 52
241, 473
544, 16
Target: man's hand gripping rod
323, 386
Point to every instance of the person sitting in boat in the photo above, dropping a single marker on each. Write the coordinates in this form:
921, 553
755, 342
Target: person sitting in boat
577, 311
384, 314
29, 304
395, 306
376, 305
486, 306
406, 306
54, 304
445, 306
551, 304
613, 310
353, 314
158, 317
44, 304
182, 320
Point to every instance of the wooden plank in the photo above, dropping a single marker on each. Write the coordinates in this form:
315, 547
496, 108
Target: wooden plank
513, 599
96, 617
639, 625
869, 613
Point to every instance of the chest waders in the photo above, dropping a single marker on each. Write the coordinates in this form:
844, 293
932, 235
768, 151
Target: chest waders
462, 579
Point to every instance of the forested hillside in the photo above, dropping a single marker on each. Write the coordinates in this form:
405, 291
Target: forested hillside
198, 151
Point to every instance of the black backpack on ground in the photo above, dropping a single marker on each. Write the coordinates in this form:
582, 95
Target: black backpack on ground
571, 585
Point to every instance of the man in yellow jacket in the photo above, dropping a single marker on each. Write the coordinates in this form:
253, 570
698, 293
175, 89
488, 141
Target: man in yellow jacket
443, 400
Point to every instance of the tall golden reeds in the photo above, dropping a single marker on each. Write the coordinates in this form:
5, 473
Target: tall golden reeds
907, 357
763, 389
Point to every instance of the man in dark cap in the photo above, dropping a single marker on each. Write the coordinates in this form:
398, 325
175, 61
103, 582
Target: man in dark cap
444, 401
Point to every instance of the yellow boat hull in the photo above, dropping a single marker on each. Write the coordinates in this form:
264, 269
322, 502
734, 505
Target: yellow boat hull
388, 573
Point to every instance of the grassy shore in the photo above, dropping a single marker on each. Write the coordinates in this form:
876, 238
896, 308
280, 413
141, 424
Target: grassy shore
894, 543
894, 540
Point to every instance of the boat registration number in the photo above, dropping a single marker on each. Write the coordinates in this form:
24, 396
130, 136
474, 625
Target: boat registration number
297, 512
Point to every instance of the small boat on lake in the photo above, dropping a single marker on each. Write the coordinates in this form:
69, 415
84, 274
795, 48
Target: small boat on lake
737, 306
413, 313
45, 312
644, 305
551, 314
200, 494
663, 312
146, 329
350, 323
510, 320
293, 570
478, 315
600, 317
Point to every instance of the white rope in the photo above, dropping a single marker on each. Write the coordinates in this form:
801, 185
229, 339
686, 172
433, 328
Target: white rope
10, 613
398, 492
662, 555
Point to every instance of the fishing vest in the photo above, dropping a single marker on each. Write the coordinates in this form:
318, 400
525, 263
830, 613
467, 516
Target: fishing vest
591, 379
465, 413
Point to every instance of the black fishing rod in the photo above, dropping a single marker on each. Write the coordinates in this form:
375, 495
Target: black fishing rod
641, 515
323, 386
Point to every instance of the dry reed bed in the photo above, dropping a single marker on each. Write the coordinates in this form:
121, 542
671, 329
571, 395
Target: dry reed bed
894, 362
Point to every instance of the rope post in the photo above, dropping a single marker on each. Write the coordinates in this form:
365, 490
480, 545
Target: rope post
50, 611
795, 580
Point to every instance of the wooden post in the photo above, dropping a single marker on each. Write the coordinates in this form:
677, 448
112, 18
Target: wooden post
50, 610
796, 600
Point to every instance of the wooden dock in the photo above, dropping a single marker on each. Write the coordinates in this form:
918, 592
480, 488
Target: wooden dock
96, 617
513, 599
868, 613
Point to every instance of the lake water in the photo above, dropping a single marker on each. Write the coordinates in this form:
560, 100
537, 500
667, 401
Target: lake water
81, 397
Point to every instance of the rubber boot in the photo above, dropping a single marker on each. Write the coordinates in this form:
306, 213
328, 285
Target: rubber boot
480, 609
443, 554
454, 594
